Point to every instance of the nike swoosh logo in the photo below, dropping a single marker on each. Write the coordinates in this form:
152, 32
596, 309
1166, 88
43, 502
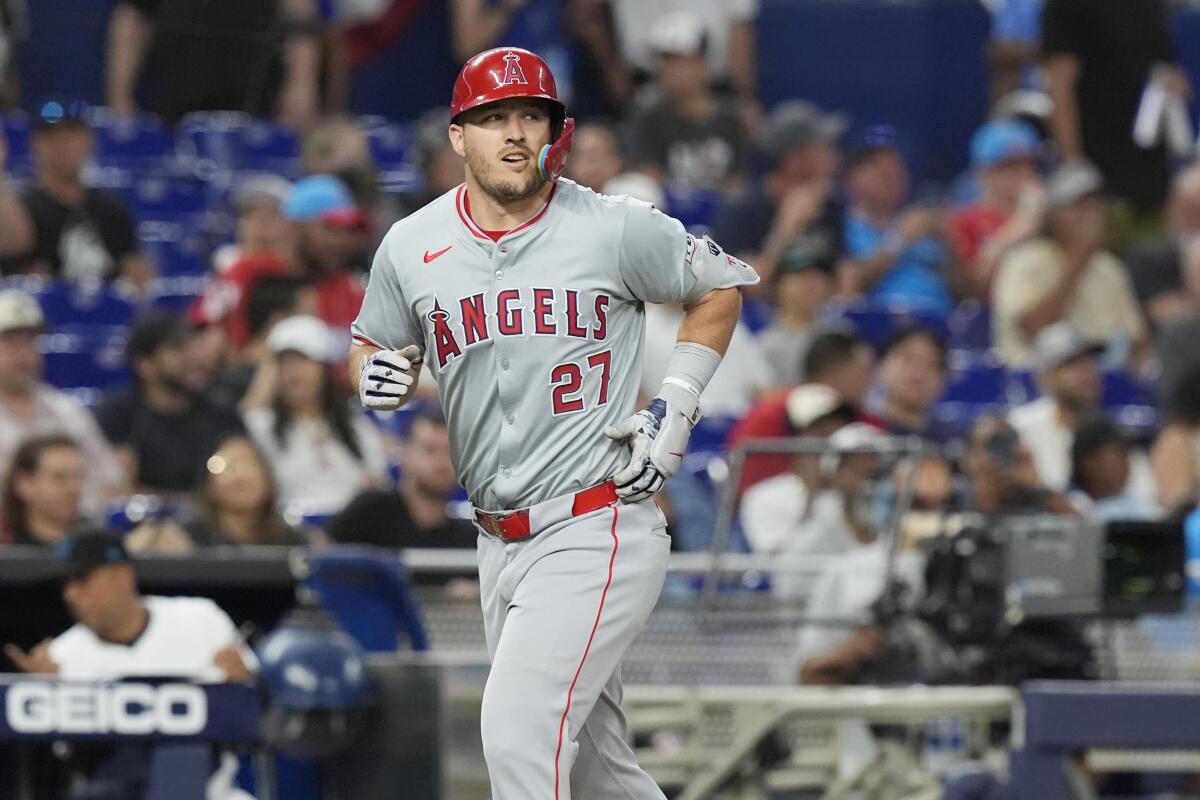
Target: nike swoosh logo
431, 256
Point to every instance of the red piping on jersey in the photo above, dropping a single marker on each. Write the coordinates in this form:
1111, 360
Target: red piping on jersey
359, 339
563, 721
462, 203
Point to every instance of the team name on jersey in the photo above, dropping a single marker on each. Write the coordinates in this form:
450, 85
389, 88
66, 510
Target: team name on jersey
537, 311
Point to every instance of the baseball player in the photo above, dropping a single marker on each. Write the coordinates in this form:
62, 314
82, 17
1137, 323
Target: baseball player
524, 293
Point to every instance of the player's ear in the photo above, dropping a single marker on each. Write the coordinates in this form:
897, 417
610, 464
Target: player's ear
456, 140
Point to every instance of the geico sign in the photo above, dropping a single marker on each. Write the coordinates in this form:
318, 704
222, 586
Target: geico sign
174, 709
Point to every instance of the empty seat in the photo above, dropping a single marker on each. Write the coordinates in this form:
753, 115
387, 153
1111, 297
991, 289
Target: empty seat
695, 208
971, 326
137, 142
85, 356
70, 304
876, 322
265, 146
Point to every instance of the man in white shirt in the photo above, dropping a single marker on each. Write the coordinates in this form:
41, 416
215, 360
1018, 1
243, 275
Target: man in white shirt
28, 407
121, 634
1070, 378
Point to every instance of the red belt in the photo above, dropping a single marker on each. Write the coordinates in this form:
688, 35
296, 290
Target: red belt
513, 526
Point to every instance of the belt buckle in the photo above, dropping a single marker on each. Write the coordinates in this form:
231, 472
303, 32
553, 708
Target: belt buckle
494, 520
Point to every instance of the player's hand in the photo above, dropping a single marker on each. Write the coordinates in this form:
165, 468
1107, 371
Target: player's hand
230, 661
658, 437
37, 661
387, 377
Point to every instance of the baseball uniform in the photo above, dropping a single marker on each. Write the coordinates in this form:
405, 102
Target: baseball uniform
535, 341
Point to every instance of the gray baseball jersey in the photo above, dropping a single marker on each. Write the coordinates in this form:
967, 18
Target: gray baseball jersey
535, 339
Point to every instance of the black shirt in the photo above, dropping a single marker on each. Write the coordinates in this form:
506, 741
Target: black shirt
695, 153
84, 242
743, 223
222, 55
1116, 42
171, 449
381, 518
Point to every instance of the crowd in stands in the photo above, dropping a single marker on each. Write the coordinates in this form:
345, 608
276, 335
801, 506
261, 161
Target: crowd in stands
179, 288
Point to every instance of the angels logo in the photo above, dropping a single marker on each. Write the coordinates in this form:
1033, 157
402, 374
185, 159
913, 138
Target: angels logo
443, 338
512, 70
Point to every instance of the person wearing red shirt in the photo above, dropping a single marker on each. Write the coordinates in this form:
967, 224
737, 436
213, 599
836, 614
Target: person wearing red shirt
1004, 156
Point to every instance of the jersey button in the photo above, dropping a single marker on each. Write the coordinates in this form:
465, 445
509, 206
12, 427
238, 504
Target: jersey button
499, 273
510, 419
507, 473
505, 363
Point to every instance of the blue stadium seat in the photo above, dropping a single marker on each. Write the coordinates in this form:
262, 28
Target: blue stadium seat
264, 146
1123, 389
65, 304
975, 385
1023, 386
165, 198
367, 591
971, 327
175, 248
695, 208
391, 142
209, 142
876, 322
86, 356
175, 292
15, 130
138, 143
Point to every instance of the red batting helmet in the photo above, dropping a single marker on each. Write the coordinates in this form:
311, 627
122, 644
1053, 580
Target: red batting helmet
505, 72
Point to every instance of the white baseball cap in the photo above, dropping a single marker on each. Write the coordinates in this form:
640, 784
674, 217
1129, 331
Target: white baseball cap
811, 402
1061, 343
19, 311
303, 334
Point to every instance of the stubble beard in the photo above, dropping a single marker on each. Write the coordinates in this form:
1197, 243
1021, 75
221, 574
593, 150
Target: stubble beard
504, 191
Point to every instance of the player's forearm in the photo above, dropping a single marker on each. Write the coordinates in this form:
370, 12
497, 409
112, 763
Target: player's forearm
710, 320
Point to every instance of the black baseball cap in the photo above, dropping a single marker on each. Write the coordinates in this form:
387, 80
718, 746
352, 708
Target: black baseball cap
56, 112
87, 549
808, 252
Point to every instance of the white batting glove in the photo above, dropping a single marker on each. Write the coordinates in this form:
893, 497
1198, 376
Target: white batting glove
387, 377
658, 436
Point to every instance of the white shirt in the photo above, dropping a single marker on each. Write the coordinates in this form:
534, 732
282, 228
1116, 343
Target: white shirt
637, 19
181, 640
1049, 443
743, 374
57, 412
314, 471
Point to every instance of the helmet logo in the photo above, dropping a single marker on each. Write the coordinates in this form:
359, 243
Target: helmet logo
512, 70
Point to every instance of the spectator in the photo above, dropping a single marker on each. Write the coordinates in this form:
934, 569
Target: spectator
339, 146
1177, 336
121, 634
161, 426
1069, 376
1010, 206
1157, 267
320, 453
1001, 476
1100, 471
1176, 452
29, 407
728, 25
1066, 275
838, 359
415, 513
537, 25
270, 300
441, 168
912, 376
595, 156
1097, 60
807, 510
42, 490
682, 133
16, 229
261, 229
322, 220
898, 254
79, 233
1013, 50
14, 27
794, 198
803, 285
257, 56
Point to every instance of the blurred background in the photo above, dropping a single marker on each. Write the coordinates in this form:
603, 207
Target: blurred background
936, 535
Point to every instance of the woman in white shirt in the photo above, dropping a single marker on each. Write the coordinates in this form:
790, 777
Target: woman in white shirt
321, 452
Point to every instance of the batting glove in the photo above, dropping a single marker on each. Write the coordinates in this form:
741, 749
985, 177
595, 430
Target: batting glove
387, 377
658, 436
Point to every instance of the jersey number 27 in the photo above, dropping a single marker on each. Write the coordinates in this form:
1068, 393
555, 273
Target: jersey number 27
567, 382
